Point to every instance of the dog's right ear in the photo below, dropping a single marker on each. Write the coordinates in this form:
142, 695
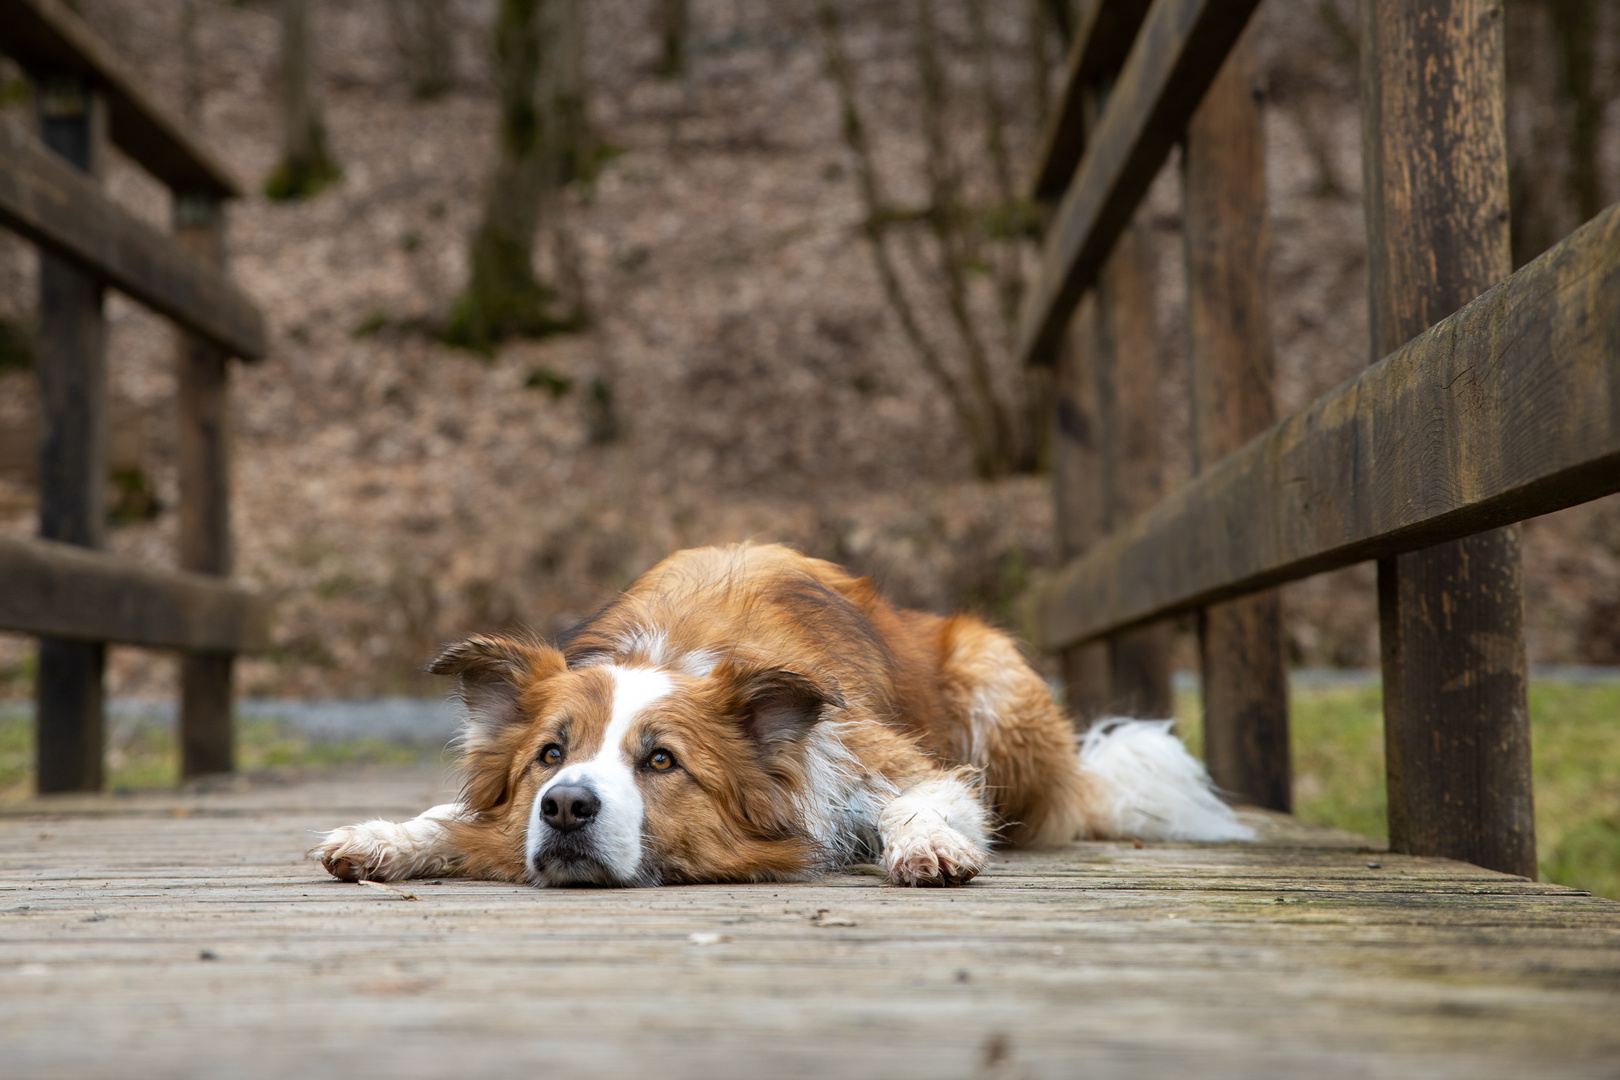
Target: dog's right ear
494, 672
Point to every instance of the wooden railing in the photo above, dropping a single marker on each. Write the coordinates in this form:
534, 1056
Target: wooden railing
61, 587
1494, 398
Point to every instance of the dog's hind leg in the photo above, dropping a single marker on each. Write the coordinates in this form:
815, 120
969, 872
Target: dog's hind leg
934, 833
392, 851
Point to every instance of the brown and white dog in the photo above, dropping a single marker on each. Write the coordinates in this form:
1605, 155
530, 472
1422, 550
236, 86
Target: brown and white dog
747, 713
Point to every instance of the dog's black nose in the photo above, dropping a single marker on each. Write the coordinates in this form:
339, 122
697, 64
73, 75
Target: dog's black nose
567, 807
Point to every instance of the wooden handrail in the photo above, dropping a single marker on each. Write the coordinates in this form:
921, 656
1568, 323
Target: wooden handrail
1507, 409
66, 591
1181, 46
46, 38
1101, 43
51, 203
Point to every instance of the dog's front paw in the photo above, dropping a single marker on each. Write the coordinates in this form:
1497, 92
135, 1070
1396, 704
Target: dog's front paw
358, 852
938, 856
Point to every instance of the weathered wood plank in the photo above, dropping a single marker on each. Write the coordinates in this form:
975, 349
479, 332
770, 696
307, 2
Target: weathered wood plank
1106, 464
1079, 498
1132, 479
58, 590
1227, 238
1451, 618
46, 38
47, 202
1508, 409
1181, 46
72, 376
1278, 959
1102, 41
203, 374
1106, 468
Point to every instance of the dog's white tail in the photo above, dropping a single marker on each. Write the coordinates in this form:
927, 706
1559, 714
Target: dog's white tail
1147, 785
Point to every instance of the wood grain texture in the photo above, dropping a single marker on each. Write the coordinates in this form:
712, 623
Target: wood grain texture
1227, 237
1102, 41
58, 590
203, 375
1508, 409
1456, 714
1176, 55
1451, 618
1244, 684
48, 203
46, 38
138, 942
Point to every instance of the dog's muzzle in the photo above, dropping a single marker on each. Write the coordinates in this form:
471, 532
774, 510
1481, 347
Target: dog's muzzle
566, 850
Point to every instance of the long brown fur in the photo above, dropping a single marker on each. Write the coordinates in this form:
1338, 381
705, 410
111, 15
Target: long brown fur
785, 642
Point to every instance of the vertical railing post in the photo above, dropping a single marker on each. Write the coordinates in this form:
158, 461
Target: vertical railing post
1133, 473
1106, 461
1243, 667
1078, 495
206, 735
1451, 618
1106, 467
71, 363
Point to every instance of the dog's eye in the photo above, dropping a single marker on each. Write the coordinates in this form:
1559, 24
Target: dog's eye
660, 760
552, 754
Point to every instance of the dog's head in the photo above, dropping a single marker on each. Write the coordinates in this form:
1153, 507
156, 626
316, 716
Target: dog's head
636, 775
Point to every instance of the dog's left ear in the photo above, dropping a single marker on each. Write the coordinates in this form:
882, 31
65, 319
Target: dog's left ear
493, 673
777, 706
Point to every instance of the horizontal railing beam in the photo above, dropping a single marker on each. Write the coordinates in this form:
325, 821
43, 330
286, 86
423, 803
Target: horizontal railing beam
57, 590
46, 38
49, 202
1181, 46
1507, 409
1102, 41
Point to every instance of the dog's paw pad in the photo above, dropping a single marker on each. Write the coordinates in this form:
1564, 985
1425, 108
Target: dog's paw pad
937, 857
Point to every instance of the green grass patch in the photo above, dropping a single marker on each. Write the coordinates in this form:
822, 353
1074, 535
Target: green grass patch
1338, 749
144, 757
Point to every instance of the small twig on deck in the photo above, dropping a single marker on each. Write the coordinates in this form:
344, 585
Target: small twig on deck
401, 893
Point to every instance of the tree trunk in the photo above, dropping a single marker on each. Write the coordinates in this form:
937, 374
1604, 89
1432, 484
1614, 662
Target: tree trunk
306, 166
544, 144
1555, 110
423, 37
573, 150
672, 22
191, 86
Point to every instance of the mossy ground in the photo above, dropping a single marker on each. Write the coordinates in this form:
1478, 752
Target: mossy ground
1338, 751
143, 756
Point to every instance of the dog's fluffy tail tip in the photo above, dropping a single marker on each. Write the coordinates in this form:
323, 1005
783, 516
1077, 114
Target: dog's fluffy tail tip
1149, 786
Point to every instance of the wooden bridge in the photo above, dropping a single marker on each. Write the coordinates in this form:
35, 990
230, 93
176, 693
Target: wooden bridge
180, 935
184, 934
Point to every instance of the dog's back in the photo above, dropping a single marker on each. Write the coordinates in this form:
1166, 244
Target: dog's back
957, 687
748, 713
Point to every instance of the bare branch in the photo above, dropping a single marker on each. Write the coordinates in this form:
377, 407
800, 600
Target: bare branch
945, 190
876, 224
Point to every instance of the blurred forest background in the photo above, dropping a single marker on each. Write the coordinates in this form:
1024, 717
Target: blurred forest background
778, 247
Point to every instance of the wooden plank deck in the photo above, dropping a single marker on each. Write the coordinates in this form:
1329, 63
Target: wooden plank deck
184, 935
